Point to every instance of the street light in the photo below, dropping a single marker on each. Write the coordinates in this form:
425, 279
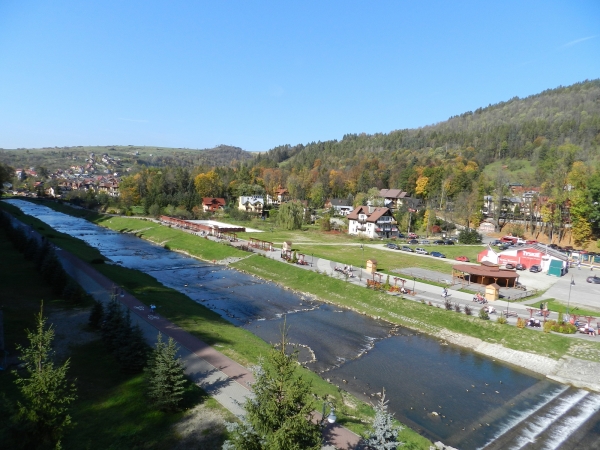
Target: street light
569, 301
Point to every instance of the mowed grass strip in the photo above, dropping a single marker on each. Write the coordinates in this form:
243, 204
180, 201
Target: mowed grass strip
408, 312
387, 260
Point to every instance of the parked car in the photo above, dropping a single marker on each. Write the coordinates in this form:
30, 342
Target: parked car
400, 235
535, 268
462, 258
413, 236
439, 242
406, 249
509, 266
531, 241
421, 251
448, 242
521, 267
392, 246
425, 241
496, 242
595, 279
438, 255
413, 241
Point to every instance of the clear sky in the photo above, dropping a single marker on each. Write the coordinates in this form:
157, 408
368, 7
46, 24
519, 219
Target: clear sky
257, 74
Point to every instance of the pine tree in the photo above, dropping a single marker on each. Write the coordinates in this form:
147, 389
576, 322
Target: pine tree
384, 434
96, 315
111, 326
42, 416
278, 415
134, 354
165, 375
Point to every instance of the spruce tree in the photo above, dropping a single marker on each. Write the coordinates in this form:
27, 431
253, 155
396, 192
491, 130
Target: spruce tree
384, 434
96, 315
42, 416
278, 414
165, 375
134, 354
111, 326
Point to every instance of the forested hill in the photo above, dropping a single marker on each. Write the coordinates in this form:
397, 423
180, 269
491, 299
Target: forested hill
129, 155
510, 129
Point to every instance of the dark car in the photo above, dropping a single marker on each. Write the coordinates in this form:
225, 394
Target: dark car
406, 249
521, 267
438, 255
413, 241
496, 242
439, 242
462, 258
595, 279
449, 242
392, 246
535, 268
400, 235
509, 266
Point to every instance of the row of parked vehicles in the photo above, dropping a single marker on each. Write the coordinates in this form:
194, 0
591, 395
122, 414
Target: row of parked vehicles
534, 268
418, 250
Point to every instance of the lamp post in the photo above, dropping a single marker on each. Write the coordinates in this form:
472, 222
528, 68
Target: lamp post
569, 300
312, 257
414, 280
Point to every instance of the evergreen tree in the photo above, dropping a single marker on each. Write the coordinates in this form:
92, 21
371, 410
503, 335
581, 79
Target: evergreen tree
278, 415
384, 434
111, 326
134, 354
42, 416
96, 315
165, 375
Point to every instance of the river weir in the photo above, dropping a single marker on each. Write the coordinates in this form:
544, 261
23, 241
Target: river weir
445, 392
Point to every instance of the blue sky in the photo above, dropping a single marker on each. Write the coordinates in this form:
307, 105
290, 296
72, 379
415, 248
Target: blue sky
259, 74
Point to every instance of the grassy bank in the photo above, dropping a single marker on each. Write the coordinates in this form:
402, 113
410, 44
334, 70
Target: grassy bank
415, 314
239, 344
111, 410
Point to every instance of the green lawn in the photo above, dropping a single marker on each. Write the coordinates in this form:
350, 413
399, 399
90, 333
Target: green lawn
387, 260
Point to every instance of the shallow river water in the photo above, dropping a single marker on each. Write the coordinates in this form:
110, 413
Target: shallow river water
445, 392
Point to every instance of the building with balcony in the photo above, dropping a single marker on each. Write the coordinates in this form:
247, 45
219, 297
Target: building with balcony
372, 222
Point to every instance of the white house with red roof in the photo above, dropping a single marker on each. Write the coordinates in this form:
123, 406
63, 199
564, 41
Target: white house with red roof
372, 222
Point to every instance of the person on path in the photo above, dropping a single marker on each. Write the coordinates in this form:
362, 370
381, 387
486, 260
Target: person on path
579, 265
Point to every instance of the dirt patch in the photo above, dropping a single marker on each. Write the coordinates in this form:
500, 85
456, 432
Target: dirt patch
71, 328
201, 427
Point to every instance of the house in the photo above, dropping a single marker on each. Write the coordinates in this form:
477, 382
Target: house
340, 206
393, 198
210, 204
252, 203
372, 222
280, 195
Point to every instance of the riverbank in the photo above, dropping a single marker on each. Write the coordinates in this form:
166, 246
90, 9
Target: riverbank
547, 354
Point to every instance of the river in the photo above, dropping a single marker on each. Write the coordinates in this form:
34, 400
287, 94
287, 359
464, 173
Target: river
445, 392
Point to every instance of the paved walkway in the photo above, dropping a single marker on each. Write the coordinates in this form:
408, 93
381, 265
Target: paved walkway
221, 377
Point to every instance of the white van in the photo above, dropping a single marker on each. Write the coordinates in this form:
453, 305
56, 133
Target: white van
421, 251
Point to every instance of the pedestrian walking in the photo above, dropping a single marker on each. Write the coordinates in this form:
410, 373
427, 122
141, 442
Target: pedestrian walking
579, 265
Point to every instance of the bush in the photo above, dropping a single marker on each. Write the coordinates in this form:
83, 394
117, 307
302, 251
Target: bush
469, 236
559, 327
457, 307
521, 322
468, 310
483, 314
447, 304
501, 320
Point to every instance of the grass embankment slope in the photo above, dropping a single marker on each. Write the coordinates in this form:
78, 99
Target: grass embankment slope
238, 344
417, 315
111, 410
